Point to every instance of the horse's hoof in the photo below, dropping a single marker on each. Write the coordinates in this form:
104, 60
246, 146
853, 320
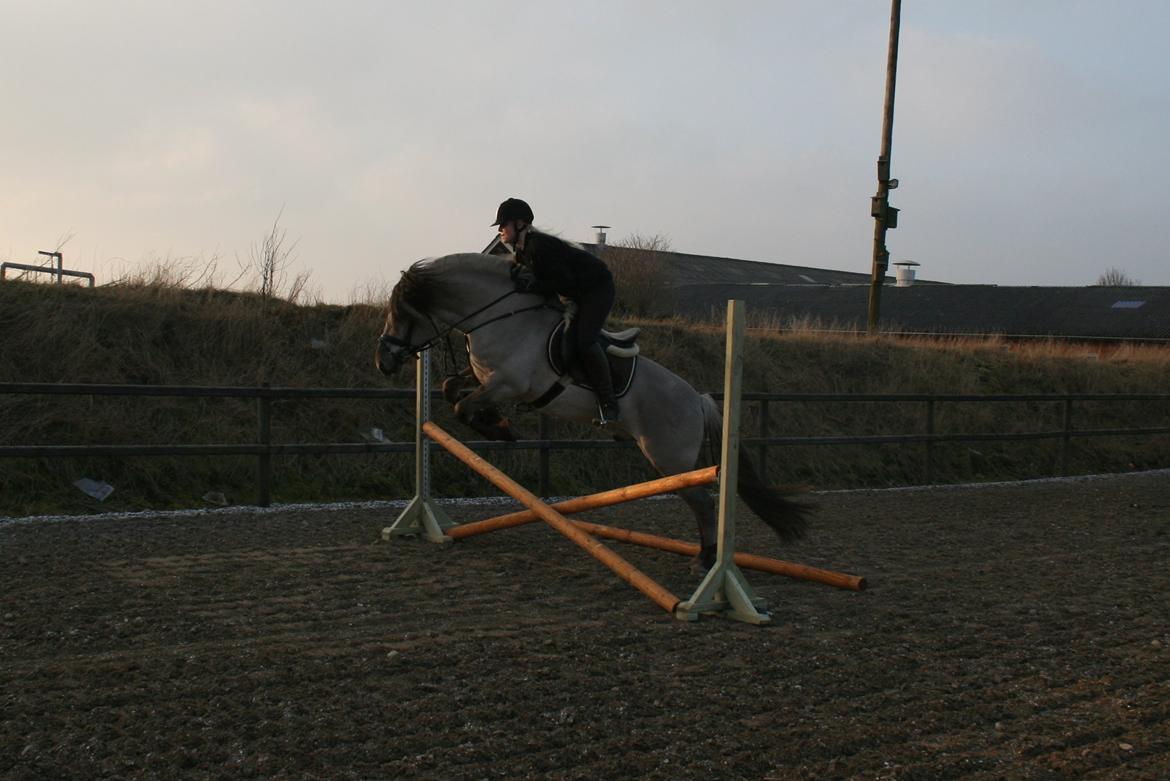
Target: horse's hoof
504, 431
698, 568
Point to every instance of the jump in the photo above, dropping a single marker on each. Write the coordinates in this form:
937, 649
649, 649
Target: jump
508, 335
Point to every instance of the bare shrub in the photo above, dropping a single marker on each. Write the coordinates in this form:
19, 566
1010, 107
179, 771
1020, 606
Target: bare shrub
640, 275
372, 292
1115, 277
189, 273
269, 264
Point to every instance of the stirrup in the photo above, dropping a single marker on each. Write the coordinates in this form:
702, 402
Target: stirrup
602, 420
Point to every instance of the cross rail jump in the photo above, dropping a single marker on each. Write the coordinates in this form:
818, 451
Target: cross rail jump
723, 590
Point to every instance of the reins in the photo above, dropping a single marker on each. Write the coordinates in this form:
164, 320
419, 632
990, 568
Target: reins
445, 335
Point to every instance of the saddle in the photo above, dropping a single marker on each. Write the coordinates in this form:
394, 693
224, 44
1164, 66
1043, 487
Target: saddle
621, 351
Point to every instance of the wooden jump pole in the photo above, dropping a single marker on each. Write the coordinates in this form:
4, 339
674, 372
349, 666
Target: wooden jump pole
629, 493
626, 571
745, 560
654, 488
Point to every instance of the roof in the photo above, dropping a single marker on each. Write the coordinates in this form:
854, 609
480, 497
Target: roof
702, 284
1088, 312
686, 269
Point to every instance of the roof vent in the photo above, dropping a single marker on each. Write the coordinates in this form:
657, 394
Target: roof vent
904, 273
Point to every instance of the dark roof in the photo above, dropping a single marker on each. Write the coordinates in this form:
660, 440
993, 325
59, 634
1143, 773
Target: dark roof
686, 269
1090, 312
702, 284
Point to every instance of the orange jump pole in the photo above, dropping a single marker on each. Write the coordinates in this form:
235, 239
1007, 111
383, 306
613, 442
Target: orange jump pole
654, 488
626, 571
746, 560
629, 493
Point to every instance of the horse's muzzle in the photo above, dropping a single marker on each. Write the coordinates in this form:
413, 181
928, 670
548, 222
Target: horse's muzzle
388, 359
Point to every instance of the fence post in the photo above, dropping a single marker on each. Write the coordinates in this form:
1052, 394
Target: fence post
264, 460
1064, 440
543, 433
764, 434
930, 442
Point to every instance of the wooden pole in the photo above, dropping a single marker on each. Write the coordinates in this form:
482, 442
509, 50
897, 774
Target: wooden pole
885, 216
264, 460
663, 485
746, 560
626, 571
724, 589
669, 544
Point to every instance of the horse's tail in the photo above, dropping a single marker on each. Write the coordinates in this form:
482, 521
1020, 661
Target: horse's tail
789, 519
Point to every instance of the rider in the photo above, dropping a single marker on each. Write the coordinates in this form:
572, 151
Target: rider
545, 264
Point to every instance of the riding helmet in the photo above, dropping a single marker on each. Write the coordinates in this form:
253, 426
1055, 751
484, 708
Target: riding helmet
513, 209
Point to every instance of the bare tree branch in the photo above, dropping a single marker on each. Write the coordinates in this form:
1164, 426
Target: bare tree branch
1115, 277
639, 275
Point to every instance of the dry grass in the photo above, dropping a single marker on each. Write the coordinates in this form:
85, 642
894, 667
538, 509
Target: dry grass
155, 329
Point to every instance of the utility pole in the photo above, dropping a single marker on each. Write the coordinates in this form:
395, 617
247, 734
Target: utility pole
885, 216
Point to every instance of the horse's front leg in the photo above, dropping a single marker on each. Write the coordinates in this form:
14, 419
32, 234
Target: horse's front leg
458, 386
477, 409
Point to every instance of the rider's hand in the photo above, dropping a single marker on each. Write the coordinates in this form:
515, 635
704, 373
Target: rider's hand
523, 279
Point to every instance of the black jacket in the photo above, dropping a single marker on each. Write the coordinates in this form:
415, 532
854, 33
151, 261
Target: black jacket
560, 267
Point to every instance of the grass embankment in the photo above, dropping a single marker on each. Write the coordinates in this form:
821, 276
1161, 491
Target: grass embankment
167, 335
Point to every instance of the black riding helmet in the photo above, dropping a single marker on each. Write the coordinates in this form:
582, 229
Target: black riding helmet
513, 209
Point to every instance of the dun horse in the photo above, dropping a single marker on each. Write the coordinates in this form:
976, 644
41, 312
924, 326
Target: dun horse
507, 338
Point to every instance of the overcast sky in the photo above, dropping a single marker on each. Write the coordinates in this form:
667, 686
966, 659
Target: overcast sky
1030, 138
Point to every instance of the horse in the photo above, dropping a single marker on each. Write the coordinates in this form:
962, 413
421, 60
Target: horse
507, 334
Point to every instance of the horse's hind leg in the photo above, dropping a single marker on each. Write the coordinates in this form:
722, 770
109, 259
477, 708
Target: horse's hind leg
675, 453
702, 504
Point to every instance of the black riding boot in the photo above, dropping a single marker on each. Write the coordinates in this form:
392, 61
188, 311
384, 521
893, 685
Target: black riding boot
597, 369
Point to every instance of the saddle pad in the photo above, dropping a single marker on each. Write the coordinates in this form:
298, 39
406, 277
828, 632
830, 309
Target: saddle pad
621, 369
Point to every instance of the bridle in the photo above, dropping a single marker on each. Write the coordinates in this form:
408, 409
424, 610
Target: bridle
406, 347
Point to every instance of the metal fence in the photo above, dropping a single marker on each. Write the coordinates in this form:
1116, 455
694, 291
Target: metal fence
1066, 433
58, 272
264, 448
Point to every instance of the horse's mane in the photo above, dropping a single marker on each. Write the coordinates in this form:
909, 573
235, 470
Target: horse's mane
415, 288
421, 284
556, 235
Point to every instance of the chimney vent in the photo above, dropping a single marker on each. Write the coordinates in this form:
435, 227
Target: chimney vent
600, 239
904, 273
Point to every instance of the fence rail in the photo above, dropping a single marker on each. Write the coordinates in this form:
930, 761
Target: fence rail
264, 448
57, 272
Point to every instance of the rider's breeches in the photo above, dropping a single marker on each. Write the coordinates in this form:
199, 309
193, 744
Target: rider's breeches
592, 309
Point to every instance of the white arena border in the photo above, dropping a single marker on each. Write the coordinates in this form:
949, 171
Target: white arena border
1001, 483
476, 501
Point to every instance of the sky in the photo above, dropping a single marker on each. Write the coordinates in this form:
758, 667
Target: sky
1030, 138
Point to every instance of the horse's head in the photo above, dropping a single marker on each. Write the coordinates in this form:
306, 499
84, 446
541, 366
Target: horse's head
392, 350
435, 296
407, 330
